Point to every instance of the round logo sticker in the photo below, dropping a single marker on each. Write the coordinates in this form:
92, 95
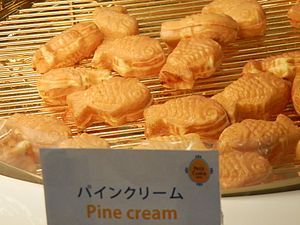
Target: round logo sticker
199, 171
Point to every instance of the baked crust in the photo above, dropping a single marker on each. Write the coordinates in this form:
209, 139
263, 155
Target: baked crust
192, 114
68, 48
192, 59
55, 85
131, 56
115, 101
219, 27
255, 96
275, 140
247, 13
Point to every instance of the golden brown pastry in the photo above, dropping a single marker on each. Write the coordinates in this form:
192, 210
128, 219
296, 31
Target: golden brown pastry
294, 15
285, 65
296, 93
84, 141
192, 114
219, 27
114, 22
174, 142
14, 150
131, 56
55, 85
193, 58
115, 101
240, 169
68, 48
254, 96
38, 131
274, 140
298, 151
247, 13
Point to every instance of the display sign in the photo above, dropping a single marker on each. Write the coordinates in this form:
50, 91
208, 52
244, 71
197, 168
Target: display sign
122, 187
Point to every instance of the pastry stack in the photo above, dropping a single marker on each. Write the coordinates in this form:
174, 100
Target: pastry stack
238, 120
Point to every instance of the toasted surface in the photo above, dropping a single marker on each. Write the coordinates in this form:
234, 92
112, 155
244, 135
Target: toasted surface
271, 139
68, 48
296, 93
114, 22
247, 13
285, 65
55, 85
173, 142
84, 141
132, 56
219, 27
115, 101
294, 15
192, 114
193, 58
254, 96
240, 169
38, 130
298, 151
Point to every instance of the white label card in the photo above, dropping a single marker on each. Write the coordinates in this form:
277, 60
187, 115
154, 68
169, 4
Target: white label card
122, 187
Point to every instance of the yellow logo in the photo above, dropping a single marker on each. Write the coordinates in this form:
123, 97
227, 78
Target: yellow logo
199, 171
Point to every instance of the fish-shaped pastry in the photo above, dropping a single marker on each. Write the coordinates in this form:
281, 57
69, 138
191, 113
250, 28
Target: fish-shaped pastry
190, 141
296, 93
115, 101
84, 141
247, 13
275, 140
68, 48
285, 65
192, 114
241, 169
114, 22
38, 131
55, 85
254, 96
294, 15
297, 156
131, 56
219, 27
193, 58
14, 150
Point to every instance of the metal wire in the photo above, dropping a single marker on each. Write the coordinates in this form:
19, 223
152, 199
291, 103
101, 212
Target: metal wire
21, 34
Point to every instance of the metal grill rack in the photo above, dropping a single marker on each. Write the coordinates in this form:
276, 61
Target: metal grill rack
22, 33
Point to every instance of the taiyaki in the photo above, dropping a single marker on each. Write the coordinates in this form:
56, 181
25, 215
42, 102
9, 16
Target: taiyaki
131, 56
219, 27
298, 151
294, 15
254, 96
285, 65
240, 169
274, 140
247, 13
174, 142
193, 58
14, 150
84, 141
38, 131
56, 84
296, 93
115, 101
114, 22
68, 48
192, 114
